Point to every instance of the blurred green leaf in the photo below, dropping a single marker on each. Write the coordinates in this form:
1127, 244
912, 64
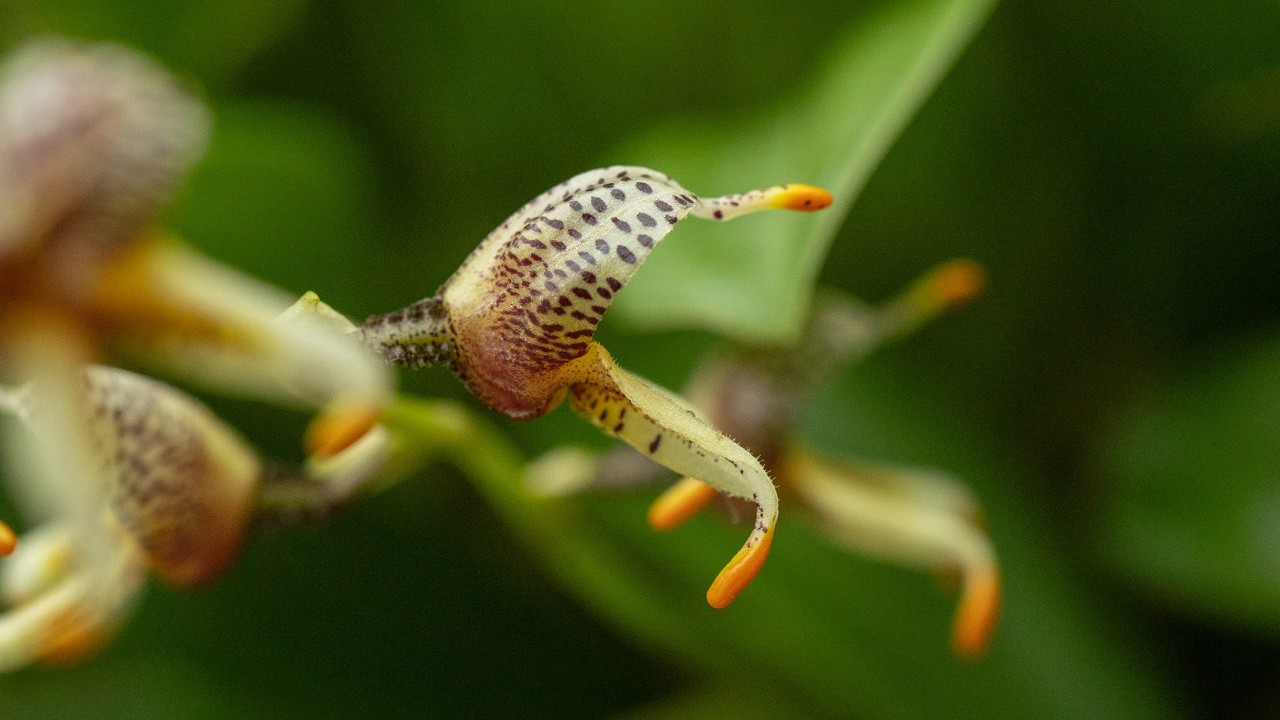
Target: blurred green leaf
752, 279
723, 700
213, 41
283, 193
122, 686
839, 632
1192, 490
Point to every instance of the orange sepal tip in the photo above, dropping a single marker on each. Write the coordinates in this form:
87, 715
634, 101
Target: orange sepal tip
680, 502
800, 197
340, 425
8, 540
976, 615
739, 573
957, 282
73, 638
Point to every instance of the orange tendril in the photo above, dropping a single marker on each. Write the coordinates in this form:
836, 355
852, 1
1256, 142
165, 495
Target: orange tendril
976, 614
796, 196
339, 426
955, 283
679, 503
740, 571
8, 540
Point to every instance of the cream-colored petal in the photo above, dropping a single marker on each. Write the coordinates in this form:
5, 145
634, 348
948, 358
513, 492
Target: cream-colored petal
223, 330
75, 612
651, 420
910, 516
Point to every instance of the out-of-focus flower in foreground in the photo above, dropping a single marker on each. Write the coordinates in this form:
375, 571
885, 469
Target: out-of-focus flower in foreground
516, 321
119, 472
755, 395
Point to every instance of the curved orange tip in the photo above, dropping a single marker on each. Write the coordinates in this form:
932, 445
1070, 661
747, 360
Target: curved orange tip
339, 426
679, 503
795, 196
8, 540
958, 282
975, 618
739, 573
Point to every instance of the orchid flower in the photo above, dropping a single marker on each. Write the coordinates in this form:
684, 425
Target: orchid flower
515, 323
119, 472
910, 515
182, 490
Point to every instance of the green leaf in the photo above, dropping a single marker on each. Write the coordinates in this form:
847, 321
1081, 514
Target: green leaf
1192, 488
213, 41
284, 194
722, 700
752, 279
124, 685
838, 632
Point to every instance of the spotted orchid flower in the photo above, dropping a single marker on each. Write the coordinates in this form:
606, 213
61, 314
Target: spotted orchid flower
516, 321
182, 491
911, 515
94, 140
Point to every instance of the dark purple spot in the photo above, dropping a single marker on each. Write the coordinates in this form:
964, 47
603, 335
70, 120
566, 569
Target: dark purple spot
564, 301
719, 214
588, 218
621, 225
601, 245
582, 293
644, 187
550, 286
604, 293
671, 219
591, 259
572, 265
554, 223
646, 220
614, 285
560, 245
645, 240
597, 309
627, 257
575, 234
618, 194
662, 205
577, 206
589, 277
598, 204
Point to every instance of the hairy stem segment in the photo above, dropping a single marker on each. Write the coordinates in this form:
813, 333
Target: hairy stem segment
651, 420
417, 336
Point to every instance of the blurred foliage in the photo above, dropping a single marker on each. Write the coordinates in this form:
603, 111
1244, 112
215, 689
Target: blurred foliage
754, 281
1112, 400
1193, 506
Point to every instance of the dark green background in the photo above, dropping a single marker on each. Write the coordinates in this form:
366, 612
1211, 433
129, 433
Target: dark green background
1113, 165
